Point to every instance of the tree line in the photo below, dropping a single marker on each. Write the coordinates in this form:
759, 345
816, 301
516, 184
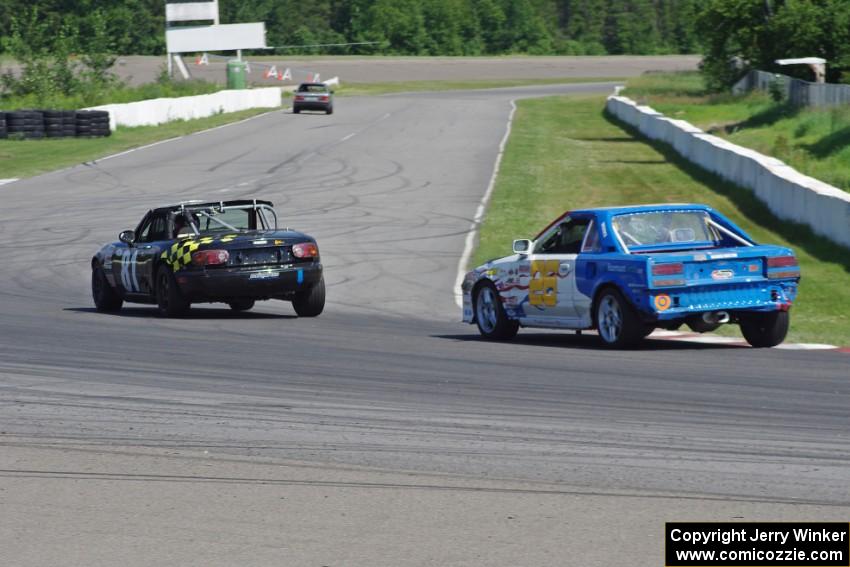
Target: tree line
738, 35
399, 27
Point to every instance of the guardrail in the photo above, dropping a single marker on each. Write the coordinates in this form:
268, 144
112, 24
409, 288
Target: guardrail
161, 110
796, 91
789, 194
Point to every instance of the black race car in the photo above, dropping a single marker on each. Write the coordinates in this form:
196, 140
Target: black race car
194, 252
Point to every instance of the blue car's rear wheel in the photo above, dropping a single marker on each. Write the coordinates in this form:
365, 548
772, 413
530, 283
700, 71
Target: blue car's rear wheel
765, 330
490, 316
618, 324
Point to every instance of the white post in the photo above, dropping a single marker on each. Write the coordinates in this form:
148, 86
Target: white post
170, 66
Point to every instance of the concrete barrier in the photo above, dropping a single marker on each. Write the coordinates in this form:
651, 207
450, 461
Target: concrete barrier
788, 194
161, 110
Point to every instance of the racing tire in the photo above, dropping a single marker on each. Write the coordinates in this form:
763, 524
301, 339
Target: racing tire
765, 330
241, 304
169, 300
310, 303
617, 322
330, 110
295, 110
106, 299
493, 323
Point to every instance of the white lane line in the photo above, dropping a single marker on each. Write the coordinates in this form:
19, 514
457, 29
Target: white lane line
716, 339
806, 346
479, 213
130, 151
348, 137
10, 180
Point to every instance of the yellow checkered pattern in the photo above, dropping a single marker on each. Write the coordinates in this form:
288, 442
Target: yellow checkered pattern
180, 254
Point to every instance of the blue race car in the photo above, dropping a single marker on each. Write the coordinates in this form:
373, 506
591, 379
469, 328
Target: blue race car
626, 271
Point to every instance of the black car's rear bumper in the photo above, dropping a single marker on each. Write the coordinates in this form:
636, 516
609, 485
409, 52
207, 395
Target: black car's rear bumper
312, 105
255, 283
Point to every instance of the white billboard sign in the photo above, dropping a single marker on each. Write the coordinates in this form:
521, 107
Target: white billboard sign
225, 37
192, 12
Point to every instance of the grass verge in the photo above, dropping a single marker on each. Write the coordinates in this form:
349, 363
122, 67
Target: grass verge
116, 94
357, 89
24, 158
815, 141
564, 153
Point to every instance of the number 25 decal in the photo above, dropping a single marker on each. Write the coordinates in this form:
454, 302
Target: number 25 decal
543, 287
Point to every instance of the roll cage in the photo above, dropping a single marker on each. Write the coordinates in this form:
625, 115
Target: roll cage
188, 214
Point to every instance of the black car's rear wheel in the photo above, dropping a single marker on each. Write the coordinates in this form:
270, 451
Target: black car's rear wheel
295, 110
106, 299
330, 110
169, 300
311, 302
765, 330
241, 304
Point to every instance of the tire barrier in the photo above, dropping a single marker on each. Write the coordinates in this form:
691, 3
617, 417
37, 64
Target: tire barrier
38, 124
92, 123
27, 124
788, 194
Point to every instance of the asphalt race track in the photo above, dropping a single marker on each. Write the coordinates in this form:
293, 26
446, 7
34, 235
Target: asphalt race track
383, 432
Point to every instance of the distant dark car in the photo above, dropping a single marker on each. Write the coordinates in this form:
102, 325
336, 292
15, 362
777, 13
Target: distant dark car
313, 96
194, 252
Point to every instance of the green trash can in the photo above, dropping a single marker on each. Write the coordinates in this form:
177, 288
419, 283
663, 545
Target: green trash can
237, 74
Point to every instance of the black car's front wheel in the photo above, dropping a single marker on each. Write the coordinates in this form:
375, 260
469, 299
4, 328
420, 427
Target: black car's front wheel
241, 304
490, 316
311, 302
169, 299
106, 299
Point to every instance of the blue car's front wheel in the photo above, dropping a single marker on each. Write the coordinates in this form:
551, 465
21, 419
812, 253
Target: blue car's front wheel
490, 316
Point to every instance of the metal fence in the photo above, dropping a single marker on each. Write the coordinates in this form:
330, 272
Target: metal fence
797, 92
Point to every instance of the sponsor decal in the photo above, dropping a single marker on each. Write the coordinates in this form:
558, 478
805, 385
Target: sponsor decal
616, 268
662, 302
263, 275
753, 267
722, 274
723, 255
